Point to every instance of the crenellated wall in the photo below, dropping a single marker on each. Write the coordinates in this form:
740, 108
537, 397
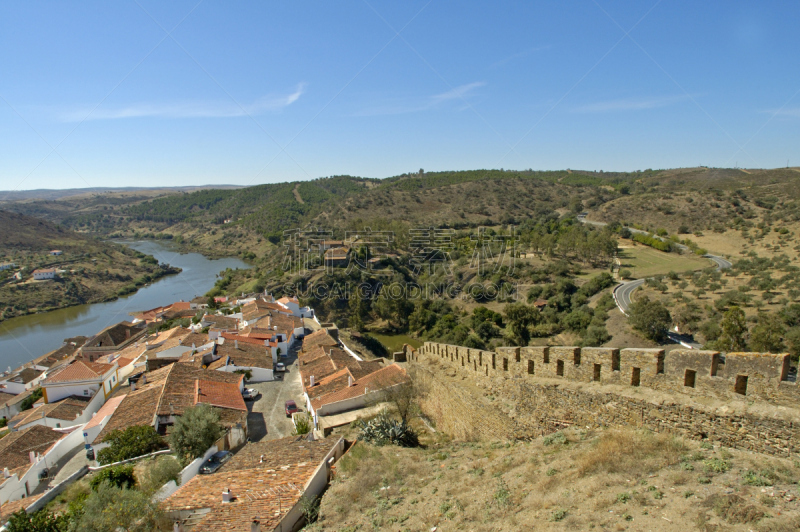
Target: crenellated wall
742, 400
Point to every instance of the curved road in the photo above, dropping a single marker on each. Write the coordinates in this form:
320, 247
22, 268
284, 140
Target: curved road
624, 291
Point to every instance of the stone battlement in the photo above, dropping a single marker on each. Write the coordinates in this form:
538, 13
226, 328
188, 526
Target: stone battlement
740, 400
755, 376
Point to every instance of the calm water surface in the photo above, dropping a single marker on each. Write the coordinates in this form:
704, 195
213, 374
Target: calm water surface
27, 337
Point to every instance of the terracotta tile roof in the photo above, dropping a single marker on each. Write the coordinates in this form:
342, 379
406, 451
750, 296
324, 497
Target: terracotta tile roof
181, 305
177, 395
168, 391
14, 448
80, 370
285, 300
220, 394
277, 453
136, 408
265, 491
114, 335
246, 355
67, 409
230, 337
26, 375
222, 322
318, 338
197, 339
383, 378
14, 399
106, 410
6, 397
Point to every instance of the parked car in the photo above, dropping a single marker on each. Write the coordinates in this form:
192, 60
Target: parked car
249, 394
215, 462
280, 366
290, 408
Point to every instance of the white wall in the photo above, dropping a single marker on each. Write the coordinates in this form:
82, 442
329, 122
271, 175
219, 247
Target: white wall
258, 374
14, 488
14, 388
57, 392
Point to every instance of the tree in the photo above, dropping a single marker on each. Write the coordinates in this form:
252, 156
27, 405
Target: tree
767, 335
137, 440
41, 521
194, 432
650, 317
520, 317
624, 273
734, 330
115, 509
120, 476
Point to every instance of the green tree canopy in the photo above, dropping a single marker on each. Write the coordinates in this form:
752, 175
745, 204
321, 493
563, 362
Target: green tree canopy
520, 317
41, 521
111, 508
734, 331
767, 335
650, 317
134, 441
194, 432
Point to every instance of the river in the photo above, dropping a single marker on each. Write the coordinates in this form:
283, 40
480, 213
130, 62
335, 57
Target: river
27, 337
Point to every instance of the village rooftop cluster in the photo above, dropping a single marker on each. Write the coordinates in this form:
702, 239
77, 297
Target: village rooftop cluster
143, 372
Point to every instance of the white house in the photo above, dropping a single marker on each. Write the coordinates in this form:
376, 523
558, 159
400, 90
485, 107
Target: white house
22, 380
41, 275
7, 266
56, 252
293, 305
83, 379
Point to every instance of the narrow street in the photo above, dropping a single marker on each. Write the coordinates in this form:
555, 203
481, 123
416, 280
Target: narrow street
267, 418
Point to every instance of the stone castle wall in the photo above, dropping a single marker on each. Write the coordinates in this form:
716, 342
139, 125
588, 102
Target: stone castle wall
741, 400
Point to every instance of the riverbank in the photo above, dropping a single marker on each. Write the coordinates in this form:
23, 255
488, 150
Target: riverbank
26, 337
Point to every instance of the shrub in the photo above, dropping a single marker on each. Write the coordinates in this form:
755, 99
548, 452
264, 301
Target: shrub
134, 441
302, 424
557, 438
120, 476
158, 473
383, 430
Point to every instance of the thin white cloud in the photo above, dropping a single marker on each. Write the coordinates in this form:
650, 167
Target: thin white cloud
790, 112
520, 55
460, 93
630, 104
188, 109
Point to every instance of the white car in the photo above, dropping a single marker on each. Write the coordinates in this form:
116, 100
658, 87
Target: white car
280, 366
249, 394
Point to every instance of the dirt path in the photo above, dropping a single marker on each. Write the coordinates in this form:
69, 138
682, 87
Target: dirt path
297, 194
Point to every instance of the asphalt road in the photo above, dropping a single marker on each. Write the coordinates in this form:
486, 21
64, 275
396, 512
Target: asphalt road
267, 418
623, 293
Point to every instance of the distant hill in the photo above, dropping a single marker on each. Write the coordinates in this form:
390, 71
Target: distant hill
54, 194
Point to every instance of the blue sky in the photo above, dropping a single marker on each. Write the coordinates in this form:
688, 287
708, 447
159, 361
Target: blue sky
143, 93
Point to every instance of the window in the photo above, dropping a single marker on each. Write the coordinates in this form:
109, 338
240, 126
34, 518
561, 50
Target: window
560, 368
505, 364
530, 367
689, 377
517, 355
85, 392
741, 385
615, 361
577, 359
546, 356
596, 376
635, 374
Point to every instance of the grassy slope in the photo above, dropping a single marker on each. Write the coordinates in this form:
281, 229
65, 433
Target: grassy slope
605, 480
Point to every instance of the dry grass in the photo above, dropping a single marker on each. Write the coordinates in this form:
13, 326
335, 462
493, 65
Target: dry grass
631, 452
605, 480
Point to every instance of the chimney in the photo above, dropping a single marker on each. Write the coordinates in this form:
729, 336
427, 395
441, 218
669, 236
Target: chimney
266, 343
262, 459
32, 457
236, 344
6, 473
226, 495
255, 526
127, 334
133, 386
349, 381
177, 527
144, 379
311, 380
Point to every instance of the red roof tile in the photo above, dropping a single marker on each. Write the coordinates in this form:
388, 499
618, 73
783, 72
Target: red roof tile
80, 370
221, 394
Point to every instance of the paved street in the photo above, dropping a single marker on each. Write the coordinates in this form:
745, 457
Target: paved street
267, 419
